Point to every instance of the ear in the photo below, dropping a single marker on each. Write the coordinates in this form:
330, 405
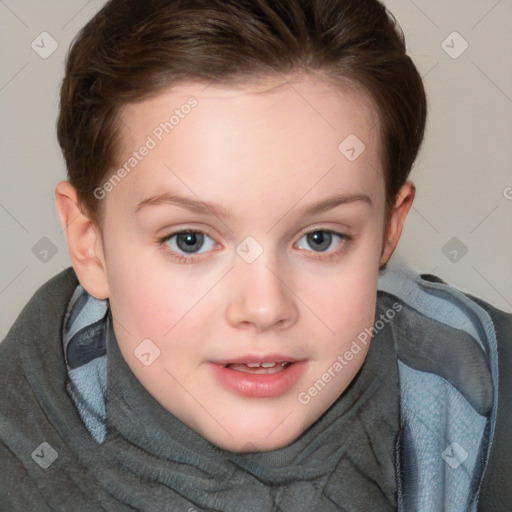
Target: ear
84, 241
396, 221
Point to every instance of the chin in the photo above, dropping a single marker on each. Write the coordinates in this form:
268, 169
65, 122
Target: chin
259, 438
248, 445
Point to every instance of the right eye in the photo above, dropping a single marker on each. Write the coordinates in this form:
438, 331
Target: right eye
186, 242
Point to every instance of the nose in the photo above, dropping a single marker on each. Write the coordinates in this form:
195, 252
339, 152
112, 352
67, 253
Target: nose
261, 297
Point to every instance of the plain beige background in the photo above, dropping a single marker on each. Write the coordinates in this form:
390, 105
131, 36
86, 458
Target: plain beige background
460, 227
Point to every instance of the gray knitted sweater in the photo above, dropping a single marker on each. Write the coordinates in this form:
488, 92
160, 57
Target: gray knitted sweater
424, 426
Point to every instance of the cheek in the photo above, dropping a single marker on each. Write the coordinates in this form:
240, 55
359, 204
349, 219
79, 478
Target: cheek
150, 300
147, 303
351, 284
140, 295
349, 311
344, 300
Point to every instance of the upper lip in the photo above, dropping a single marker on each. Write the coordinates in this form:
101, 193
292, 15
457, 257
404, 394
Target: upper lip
257, 359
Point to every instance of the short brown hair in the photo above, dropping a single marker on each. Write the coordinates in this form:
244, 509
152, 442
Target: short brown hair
133, 49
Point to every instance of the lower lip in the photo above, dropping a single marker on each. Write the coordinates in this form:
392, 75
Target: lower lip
259, 385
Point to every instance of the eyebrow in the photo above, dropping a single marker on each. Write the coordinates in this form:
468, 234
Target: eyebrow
209, 208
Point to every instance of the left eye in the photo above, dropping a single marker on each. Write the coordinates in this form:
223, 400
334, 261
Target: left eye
188, 241
320, 240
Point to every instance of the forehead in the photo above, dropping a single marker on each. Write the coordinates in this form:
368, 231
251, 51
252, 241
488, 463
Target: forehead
304, 96
279, 134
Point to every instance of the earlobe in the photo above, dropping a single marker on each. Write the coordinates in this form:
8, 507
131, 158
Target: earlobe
83, 240
396, 221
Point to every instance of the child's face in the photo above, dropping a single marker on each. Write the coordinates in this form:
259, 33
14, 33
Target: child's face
259, 289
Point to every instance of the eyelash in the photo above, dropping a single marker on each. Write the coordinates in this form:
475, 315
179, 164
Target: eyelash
346, 241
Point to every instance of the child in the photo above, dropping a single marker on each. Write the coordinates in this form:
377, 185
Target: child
201, 354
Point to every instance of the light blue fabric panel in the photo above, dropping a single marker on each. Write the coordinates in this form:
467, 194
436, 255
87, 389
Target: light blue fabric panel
93, 311
436, 300
418, 389
88, 387
448, 305
437, 416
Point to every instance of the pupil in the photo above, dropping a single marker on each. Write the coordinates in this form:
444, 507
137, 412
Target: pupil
192, 241
322, 238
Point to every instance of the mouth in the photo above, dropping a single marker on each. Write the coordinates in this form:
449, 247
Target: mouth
259, 377
259, 368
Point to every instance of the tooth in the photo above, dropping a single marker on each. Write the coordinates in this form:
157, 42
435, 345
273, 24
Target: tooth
268, 365
253, 365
